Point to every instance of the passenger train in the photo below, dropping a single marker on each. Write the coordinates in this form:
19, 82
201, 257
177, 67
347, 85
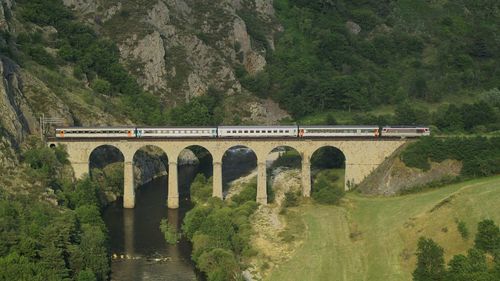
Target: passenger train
290, 131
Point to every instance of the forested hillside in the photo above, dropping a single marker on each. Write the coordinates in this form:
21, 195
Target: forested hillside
361, 54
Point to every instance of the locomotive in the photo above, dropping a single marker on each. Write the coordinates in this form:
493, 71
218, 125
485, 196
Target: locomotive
286, 131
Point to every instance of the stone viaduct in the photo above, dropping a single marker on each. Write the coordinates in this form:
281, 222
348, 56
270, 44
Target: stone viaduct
362, 157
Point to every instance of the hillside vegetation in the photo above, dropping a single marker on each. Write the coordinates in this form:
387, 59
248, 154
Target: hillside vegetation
356, 55
376, 238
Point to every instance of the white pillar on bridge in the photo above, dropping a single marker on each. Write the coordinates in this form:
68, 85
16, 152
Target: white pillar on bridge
306, 175
261, 183
128, 185
173, 186
217, 180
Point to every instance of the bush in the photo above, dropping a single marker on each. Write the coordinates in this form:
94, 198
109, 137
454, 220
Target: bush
220, 265
291, 199
102, 87
169, 232
462, 229
430, 261
488, 236
201, 188
324, 190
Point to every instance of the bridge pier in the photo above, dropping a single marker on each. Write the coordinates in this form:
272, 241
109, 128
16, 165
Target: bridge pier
80, 169
217, 180
306, 175
173, 187
128, 185
261, 183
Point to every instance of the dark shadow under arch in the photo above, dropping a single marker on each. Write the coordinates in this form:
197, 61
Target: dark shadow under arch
279, 158
238, 161
327, 169
106, 168
189, 167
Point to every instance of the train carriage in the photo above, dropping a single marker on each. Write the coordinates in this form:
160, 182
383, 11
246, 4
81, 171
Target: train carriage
257, 131
95, 132
177, 132
405, 131
338, 131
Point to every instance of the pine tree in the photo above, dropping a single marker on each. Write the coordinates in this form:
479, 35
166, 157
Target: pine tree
430, 261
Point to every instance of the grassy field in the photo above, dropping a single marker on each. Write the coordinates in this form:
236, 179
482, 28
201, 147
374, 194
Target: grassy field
375, 238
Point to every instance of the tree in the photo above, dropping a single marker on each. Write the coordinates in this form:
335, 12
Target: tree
219, 264
430, 261
472, 267
488, 236
86, 275
169, 232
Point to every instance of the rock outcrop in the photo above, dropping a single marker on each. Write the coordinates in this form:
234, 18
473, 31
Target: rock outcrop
177, 49
393, 177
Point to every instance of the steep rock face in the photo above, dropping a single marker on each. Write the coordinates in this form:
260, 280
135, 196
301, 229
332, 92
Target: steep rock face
179, 48
13, 104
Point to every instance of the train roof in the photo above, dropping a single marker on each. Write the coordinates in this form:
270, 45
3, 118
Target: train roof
406, 127
94, 128
339, 127
260, 127
175, 127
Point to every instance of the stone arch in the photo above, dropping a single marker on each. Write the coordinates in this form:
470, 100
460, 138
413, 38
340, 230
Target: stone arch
149, 161
282, 157
113, 154
194, 155
234, 158
329, 157
106, 164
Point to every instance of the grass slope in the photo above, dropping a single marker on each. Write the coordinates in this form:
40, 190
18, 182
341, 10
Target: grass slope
375, 238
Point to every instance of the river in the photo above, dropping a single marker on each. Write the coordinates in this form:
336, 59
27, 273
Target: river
137, 245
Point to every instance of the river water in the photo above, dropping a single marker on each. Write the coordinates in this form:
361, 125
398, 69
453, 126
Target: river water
138, 247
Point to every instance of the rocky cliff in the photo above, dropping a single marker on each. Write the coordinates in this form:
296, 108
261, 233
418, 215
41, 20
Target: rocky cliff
177, 49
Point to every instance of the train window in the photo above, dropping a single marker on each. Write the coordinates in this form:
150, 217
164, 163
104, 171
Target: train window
246, 131
257, 131
275, 131
251, 131
281, 131
287, 131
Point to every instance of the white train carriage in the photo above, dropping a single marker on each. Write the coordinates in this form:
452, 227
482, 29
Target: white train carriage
177, 132
95, 132
338, 131
405, 131
257, 131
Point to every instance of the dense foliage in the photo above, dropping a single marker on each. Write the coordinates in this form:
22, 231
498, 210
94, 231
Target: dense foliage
43, 241
480, 156
93, 58
473, 266
220, 232
357, 55
325, 190
169, 231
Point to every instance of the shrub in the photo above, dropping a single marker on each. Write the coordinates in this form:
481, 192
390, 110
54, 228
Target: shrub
488, 236
430, 261
291, 199
102, 87
201, 188
169, 232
